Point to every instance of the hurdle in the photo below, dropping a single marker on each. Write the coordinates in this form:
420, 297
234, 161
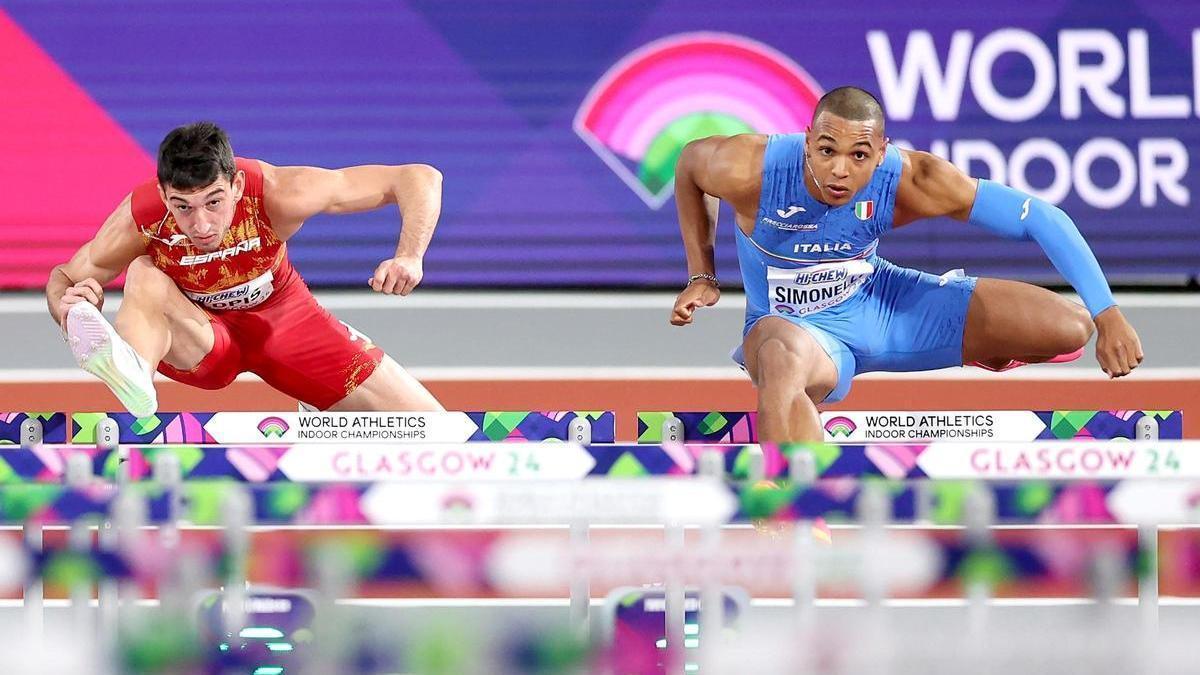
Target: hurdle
798, 464
266, 427
904, 426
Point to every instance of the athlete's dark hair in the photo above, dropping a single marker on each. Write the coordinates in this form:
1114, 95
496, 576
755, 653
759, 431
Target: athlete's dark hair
851, 103
194, 155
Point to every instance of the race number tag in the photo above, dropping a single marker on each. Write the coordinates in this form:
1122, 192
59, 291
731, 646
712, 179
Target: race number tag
243, 296
806, 290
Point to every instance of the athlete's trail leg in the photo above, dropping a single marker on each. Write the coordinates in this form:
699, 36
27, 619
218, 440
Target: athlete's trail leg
792, 373
1013, 320
389, 387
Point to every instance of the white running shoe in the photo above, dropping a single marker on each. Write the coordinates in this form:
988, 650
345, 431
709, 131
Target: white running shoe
99, 350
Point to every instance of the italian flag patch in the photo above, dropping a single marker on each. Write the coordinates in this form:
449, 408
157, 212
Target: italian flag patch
864, 210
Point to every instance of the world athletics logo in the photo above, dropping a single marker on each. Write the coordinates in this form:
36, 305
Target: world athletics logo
273, 427
458, 506
656, 99
840, 426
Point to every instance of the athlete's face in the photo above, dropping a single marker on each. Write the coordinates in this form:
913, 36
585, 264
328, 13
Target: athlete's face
206, 214
842, 155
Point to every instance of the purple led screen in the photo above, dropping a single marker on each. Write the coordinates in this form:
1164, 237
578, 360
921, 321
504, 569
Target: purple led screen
556, 124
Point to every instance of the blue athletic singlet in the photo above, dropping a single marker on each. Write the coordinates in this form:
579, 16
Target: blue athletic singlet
816, 266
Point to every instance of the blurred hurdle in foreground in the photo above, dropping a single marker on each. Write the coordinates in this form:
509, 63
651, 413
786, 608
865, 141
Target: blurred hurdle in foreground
747, 462
542, 485
874, 559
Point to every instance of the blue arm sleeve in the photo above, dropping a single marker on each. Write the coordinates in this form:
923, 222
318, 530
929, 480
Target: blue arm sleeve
1014, 214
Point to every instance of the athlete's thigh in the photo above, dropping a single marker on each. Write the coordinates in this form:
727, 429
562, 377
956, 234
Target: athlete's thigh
821, 374
215, 369
1011, 318
913, 320
389, 387
193, 336
308, 354
149, 289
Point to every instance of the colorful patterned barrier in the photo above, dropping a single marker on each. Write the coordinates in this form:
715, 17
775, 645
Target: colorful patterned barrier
236, 428
1020, 563
54, 426
909, 426
940, 502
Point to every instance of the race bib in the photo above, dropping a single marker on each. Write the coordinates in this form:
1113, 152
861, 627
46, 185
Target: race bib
807, 290
243, 296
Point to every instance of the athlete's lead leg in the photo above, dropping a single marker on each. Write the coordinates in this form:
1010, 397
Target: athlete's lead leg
155, 321
159, 321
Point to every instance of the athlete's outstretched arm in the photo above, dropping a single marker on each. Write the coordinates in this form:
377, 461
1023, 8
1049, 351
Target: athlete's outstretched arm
698, 227
296, 193
707, 171
96, 263
931, 186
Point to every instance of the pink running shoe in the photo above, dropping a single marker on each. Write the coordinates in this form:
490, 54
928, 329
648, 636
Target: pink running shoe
1061, 358
99, 350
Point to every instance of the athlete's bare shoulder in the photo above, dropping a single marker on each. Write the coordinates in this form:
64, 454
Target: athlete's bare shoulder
270, 174
931, 186
282, 194
726, 167
283, 184
119, 233
740, 157
116, 244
